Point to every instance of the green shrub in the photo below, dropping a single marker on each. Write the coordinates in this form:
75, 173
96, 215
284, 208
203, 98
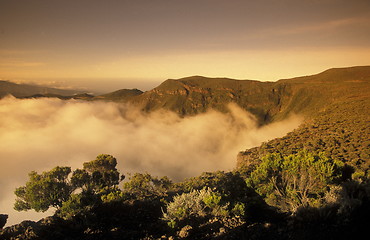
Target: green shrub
231, 185
239, 210
197, 203
212, 200
146, 187
77, 204
113, 195
297, 180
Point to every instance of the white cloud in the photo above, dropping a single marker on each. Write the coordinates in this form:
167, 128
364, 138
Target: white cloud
39, 134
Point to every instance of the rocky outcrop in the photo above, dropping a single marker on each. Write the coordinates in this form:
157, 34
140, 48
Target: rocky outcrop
3, 219
24, 230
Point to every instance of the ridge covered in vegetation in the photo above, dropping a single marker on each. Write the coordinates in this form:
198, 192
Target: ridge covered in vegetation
340, 129
268, 101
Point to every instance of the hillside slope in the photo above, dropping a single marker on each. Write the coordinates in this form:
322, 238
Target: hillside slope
334, 103
119, 95
26, 90
268, 101
339, 126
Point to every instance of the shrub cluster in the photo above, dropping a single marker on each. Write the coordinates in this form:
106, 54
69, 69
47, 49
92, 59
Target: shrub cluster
197, 203
302, 191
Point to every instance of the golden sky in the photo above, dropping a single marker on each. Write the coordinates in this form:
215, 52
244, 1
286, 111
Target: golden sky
153, 40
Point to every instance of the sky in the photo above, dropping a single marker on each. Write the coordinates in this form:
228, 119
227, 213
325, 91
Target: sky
140, 43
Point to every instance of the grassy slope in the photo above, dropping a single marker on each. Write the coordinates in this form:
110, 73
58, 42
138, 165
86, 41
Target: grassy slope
337, 119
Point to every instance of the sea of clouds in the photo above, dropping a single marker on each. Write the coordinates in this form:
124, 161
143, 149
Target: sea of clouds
39, 134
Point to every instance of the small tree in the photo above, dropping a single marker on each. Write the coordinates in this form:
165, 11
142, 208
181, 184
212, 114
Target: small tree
69, 194
42, 191
297, 180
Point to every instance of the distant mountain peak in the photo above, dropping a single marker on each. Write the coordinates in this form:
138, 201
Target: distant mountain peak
27, 90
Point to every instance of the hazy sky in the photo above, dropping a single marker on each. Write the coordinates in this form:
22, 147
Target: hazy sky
152, 40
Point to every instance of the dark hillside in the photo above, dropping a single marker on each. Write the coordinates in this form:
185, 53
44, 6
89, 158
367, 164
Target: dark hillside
189, 96
25, 90
119, 95
268, 101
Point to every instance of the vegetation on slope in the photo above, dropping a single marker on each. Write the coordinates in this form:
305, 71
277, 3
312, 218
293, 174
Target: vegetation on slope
284, 197
268, 101
341, 131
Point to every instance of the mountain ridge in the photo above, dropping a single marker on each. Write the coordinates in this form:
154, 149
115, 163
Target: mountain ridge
28, 90
268, 101
360, 73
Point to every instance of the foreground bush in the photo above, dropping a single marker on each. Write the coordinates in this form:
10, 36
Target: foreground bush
203, 203
70, 193
294, 181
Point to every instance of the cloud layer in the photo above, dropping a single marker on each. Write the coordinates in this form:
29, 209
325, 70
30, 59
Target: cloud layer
39, 134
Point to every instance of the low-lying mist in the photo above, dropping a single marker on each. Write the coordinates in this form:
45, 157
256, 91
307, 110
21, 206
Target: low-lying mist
39, 134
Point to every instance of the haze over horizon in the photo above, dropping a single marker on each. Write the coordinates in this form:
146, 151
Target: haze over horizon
126, 44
